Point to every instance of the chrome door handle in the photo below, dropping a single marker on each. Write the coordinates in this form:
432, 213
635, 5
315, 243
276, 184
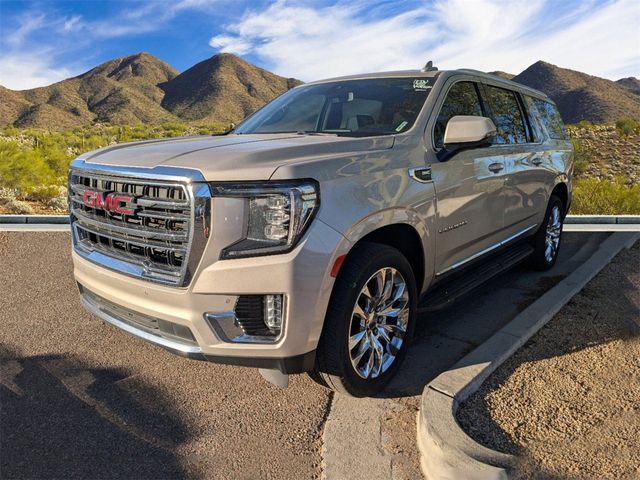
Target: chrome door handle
496, 167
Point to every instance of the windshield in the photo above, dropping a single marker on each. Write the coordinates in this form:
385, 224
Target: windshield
380, 106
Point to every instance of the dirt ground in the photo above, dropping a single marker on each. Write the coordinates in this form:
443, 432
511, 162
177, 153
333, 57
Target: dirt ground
567, 404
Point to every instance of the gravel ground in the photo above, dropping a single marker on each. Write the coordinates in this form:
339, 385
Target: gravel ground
568, 402
80, 399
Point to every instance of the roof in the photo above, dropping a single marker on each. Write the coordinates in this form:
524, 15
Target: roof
435, 73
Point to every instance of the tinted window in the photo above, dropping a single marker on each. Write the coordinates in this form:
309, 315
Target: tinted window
379, 106
462, 99
507, 116
550, 118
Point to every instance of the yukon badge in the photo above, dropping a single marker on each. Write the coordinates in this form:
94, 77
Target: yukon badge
452, 227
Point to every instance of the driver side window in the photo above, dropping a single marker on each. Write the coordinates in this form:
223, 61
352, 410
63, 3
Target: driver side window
462, 99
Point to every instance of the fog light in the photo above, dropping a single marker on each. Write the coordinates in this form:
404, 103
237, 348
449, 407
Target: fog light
273, 312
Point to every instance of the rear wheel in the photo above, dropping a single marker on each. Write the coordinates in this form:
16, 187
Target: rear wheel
369, 323
546, 242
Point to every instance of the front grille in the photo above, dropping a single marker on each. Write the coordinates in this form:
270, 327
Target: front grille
148, 234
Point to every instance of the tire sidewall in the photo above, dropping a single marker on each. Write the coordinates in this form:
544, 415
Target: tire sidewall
353, 382
542, 234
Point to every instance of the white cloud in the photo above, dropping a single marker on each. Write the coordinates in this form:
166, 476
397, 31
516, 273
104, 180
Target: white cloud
27, 56
20, 73
72, 23
311, 42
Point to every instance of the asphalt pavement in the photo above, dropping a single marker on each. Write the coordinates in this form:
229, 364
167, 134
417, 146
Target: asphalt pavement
80, 399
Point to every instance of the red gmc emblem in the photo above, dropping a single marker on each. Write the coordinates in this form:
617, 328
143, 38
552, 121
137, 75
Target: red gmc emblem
110, 202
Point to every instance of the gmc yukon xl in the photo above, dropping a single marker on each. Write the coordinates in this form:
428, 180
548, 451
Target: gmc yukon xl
304, 239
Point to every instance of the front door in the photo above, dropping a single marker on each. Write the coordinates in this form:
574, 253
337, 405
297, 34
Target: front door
469, 188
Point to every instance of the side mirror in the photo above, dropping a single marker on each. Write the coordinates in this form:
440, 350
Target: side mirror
465, 132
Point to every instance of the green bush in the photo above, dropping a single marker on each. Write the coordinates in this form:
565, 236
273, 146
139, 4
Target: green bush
627, 126
581, 155
23, 170
602, 197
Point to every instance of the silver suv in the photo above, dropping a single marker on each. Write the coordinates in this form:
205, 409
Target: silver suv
304, 239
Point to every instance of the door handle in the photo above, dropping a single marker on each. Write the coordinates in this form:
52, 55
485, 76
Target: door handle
422, 175
496, 167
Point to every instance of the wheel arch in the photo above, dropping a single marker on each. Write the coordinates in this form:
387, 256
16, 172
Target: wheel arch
561, 190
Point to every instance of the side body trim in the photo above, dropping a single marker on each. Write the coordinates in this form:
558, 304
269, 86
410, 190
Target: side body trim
487, 250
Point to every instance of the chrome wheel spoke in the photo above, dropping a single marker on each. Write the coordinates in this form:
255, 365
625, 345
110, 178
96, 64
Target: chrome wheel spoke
365, 347
397, 330
378, 323
355, 340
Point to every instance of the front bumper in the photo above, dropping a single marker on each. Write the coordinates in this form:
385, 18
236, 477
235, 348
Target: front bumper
137, 306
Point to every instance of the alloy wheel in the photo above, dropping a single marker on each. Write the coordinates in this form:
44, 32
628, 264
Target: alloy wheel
379, 323
554, 230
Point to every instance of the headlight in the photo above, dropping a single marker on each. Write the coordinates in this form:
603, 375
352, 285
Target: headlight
278, 213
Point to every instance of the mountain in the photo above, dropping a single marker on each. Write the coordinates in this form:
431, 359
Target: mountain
501, 74
630, 83
580, 96
143, 89
124, 90
222, 88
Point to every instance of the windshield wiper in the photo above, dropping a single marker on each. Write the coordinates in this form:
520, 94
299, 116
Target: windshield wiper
314, 132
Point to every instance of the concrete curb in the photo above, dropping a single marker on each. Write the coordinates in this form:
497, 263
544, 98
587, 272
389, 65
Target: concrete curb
602, 219
34, 219
446, 451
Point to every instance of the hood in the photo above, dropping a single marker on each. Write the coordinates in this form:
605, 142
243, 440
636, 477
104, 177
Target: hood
233, 157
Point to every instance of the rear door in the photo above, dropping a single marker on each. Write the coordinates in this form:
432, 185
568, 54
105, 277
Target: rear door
525, 194
469, 186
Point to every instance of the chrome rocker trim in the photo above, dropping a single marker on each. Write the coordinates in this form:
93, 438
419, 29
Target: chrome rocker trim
487, 250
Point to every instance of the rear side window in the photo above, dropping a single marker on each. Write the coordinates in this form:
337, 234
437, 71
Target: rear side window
462, 99
507, 115
550, 118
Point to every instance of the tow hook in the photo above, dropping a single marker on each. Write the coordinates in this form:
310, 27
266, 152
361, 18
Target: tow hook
276, 377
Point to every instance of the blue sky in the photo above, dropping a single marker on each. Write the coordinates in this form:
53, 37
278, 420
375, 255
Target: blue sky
43, 41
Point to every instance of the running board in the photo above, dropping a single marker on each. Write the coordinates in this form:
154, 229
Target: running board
444, 294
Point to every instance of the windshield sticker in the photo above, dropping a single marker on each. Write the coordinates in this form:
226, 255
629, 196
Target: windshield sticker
421, 84
401, 126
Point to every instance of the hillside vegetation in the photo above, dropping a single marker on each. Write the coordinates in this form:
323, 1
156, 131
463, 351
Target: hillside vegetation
142, 89
583, 97
34, 163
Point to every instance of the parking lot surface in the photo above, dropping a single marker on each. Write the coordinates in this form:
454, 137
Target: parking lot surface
81, 399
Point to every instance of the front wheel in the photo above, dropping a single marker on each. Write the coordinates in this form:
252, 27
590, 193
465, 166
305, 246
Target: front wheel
546, 242
369, 323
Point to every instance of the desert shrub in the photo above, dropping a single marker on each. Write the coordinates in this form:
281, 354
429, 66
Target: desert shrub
57, 203
582, 156
627, 126
23, 170
16, 207
584, 124
603, 197
45, 192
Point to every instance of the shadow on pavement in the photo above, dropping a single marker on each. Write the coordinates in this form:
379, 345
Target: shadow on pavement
61, 419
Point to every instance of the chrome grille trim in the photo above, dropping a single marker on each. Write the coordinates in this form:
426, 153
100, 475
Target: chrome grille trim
162, 241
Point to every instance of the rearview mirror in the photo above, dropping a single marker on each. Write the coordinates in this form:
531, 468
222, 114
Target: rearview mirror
466, 131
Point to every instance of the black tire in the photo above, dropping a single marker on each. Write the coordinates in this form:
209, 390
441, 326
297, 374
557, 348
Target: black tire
333, 360
539, 259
